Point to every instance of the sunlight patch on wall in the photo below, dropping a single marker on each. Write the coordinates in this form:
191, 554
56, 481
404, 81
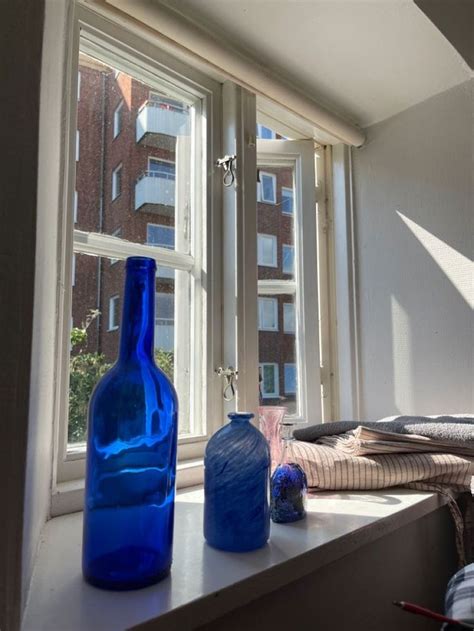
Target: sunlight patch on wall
457, 267
401, 358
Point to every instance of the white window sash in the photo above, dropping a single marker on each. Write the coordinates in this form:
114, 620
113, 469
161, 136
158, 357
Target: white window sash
287, 269
116, 182
287, 190
261, 314
118, 119
289, 321
262, 198
113, 301
301, 156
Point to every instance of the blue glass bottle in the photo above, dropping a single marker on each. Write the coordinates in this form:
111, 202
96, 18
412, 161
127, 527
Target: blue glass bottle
236, 478
288, 485
131, 453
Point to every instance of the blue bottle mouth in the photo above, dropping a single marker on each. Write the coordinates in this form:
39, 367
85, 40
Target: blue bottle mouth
141, 263
241, 416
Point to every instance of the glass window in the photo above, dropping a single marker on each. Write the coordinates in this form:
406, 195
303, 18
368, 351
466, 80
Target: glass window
268, 314
288, 252
152, 194
164, 321
287, 200
162, 168
267, 250
75, 206
290, 378
118, 119
114, 313
78, 136
265, 132
116, 182
289, 324
269, 386
267, 188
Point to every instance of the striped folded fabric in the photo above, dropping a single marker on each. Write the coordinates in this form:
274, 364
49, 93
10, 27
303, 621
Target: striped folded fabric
459, 600
331, 469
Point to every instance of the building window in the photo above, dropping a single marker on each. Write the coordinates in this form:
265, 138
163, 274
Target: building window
290, 378
157, 234
267, 250
289, 324
118, 113
75, 206
162, 168
78, 86
73, 271
116, 182
164, 322
116, 233
288, 254
286, 200
77, 145
266, 190
265, 133
269, 386
268, 314
114, 313
165, 103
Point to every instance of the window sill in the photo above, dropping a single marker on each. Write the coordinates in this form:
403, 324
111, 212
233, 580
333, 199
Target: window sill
206, 583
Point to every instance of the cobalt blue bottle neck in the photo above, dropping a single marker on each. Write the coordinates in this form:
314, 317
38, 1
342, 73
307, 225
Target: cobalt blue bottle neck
138, 315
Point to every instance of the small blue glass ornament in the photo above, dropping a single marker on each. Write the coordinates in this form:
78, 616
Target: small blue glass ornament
131, 453
288, 485
236, 477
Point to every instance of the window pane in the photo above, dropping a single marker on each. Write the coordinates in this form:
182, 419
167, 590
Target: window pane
97, 299
267, 250
123, 121
278, 294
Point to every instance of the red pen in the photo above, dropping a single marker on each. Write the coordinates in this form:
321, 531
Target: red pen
422, 611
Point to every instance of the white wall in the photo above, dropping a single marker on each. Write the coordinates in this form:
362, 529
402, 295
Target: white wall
413, 200
40, 436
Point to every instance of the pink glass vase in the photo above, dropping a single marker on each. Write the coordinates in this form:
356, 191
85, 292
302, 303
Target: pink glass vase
270, 418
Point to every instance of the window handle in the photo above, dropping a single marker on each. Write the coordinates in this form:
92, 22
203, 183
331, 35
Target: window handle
229, 374
227, 163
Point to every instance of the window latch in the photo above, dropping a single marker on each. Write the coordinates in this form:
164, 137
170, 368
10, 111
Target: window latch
229, 374
227, 163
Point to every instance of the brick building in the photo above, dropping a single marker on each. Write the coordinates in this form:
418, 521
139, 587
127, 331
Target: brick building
126, 155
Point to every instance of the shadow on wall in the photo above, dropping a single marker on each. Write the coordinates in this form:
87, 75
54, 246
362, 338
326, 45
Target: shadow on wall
413, 199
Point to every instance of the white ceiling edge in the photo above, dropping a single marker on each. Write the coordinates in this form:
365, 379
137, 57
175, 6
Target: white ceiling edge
375, 59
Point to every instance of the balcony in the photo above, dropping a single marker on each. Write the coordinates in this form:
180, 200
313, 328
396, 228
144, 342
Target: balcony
153, 118
155, 193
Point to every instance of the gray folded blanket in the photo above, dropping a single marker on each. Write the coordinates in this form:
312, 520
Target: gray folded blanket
456, 429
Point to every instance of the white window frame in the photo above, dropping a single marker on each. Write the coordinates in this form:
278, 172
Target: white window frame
295, 367
287, 246
79, 86
112, 42
261, 197
76, 203
286, 307
117, 189
118, 119
113, 316
78, 143
300, 155
290, 190
274, 302
276, 381
260, 238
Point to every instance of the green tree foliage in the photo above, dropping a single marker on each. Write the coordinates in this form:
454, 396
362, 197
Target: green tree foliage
86, 369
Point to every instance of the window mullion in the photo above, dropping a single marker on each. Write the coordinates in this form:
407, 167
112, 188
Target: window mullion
240, 331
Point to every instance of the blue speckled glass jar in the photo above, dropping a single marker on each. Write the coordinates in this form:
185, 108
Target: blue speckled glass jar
236, 478
288, 485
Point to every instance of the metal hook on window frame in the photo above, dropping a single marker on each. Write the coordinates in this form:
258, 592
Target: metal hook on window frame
229, 375
227, 163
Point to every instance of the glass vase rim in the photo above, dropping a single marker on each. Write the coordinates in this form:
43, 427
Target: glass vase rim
241, 416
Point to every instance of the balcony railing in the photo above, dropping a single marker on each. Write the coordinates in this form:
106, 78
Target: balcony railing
154, 118
155, 192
